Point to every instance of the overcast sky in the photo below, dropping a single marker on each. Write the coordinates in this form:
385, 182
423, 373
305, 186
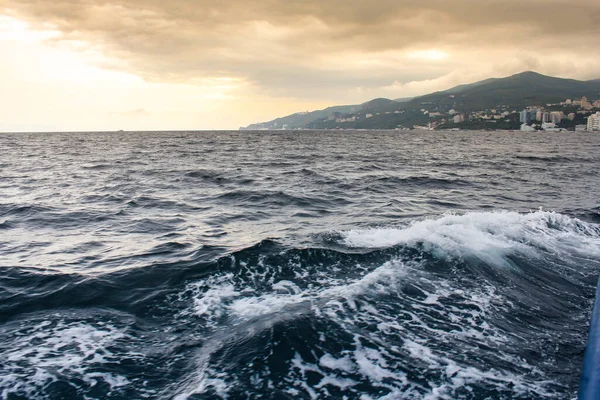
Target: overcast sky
198, 64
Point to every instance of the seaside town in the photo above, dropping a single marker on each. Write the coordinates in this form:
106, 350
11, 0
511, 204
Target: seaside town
569, 115
578, 115
526, 102
533, 118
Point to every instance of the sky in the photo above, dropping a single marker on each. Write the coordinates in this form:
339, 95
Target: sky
71, 65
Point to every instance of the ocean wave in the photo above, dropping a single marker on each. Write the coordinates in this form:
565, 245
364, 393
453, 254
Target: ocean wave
488, 235
553, 158
423, 181
282, 199
451, 301
482, 304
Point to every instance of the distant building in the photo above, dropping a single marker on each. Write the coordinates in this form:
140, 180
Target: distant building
585, 103
538, 115
525, 117
458, 119
349, 119
556, 116
546, 117
533, 115
571, 116
593, 123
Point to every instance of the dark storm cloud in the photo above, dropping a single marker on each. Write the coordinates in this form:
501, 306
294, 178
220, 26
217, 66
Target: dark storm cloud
293, 45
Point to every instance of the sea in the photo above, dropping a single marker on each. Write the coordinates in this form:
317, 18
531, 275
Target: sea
297, 264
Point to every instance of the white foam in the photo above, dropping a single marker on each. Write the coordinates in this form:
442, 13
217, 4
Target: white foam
249, 312
372, 365
327, 379
65, 349
342, 364
215, 297
378, 363
487, 235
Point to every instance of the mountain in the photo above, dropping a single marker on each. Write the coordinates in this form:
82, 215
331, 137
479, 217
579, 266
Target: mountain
520, 90
301, 119
510, 93
466, 86
377, 104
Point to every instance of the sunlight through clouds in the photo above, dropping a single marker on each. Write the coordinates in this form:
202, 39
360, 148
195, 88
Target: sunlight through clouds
278, 53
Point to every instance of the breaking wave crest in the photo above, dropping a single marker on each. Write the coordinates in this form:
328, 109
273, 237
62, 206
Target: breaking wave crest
488, 234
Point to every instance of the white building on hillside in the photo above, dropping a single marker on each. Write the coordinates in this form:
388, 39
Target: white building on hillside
458, 119
593, 123
585, 103
556, 116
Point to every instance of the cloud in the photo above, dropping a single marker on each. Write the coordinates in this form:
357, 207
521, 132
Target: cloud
323, 48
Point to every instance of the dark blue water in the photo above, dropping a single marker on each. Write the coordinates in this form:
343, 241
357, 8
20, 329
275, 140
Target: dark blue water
248, 265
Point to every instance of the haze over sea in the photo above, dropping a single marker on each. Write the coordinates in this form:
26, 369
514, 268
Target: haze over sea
308, 264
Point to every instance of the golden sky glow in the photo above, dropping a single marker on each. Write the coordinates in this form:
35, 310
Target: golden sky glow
197, 64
